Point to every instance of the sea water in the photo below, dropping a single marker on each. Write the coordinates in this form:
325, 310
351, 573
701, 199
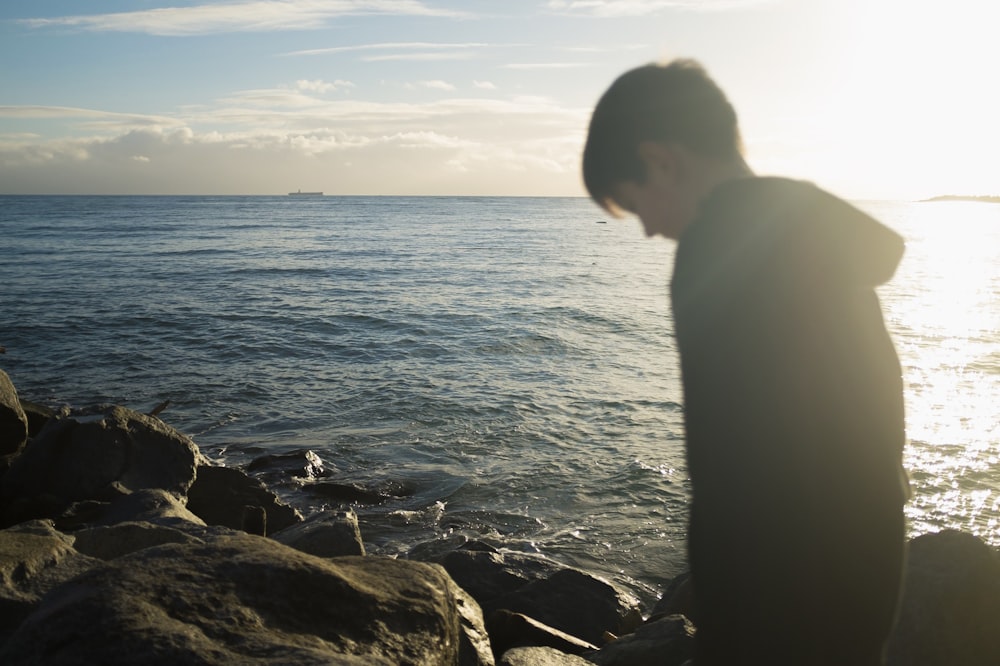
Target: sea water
509, 361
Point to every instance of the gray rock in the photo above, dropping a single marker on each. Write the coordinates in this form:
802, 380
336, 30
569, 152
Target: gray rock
34, 558
677, 599
325, 534
474, 648
13, 421
574, 602
248, 600
150, 505
487, 574
228, 497
540, 656
668, 641
79, 458
112, 541
950, 610
38, 416
511, 630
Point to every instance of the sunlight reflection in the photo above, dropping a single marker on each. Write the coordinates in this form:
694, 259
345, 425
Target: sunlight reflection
944, 309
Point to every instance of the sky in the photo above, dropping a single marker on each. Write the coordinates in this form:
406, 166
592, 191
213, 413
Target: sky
871, 99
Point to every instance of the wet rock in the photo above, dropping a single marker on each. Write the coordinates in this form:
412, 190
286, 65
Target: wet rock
475, 647
677, 599
668, 641
279, 467
226, 496
148, 505
38, 416
575, 603
34, 558
13, 422
540, 656
244, 599
511, 630
355, 493
79, 458
112, 541
951, 603
487, 574
325, 534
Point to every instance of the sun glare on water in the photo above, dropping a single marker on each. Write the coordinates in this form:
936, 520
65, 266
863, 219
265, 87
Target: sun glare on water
944, 310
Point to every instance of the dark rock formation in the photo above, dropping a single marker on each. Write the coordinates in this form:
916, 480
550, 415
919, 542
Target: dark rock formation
13, 422
667, 641
573, 602
950, 612
511, 630
34, 558
87, 457
325, 534
226, 496
38, 416
487, 574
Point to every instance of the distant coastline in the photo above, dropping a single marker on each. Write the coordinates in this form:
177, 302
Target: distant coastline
959, 197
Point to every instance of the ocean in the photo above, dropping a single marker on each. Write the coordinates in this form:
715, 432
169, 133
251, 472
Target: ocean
507, 361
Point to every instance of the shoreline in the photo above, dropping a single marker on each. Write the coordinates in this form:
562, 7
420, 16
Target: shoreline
113, 519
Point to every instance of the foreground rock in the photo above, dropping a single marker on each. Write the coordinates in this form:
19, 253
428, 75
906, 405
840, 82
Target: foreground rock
245, 599
146, 558
228, 497
96, 457
13, 421
950, 612
34, 558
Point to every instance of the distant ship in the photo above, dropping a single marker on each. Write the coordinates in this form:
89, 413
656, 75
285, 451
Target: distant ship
300, 193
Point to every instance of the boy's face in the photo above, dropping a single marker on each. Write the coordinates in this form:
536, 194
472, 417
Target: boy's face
663, 201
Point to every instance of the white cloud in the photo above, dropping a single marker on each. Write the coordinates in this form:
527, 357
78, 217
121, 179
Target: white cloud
619, 8
390, 46
254, 141
417, 57
246, 16
545, 65
92, 118
484, 85
433, 85
323, 86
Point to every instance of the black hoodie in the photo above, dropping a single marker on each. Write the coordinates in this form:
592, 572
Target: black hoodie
793, 391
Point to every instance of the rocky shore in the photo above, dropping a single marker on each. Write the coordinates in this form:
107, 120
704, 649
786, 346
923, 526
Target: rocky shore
120, 543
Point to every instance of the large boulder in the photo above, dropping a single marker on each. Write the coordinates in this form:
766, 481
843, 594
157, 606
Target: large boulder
228, 497
575, 603
325, 534
488, 574
564, 599
91, 457
512, 630
667, 641
950, 610
107, 542
249, 600
13, 421
34, 558
540, 656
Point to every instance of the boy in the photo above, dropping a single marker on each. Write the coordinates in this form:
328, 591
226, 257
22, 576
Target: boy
792, 388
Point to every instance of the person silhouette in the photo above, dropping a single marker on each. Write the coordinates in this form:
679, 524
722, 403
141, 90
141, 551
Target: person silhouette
793, 399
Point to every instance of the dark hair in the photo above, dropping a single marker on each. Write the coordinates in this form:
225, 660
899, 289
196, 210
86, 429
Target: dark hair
675, 102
